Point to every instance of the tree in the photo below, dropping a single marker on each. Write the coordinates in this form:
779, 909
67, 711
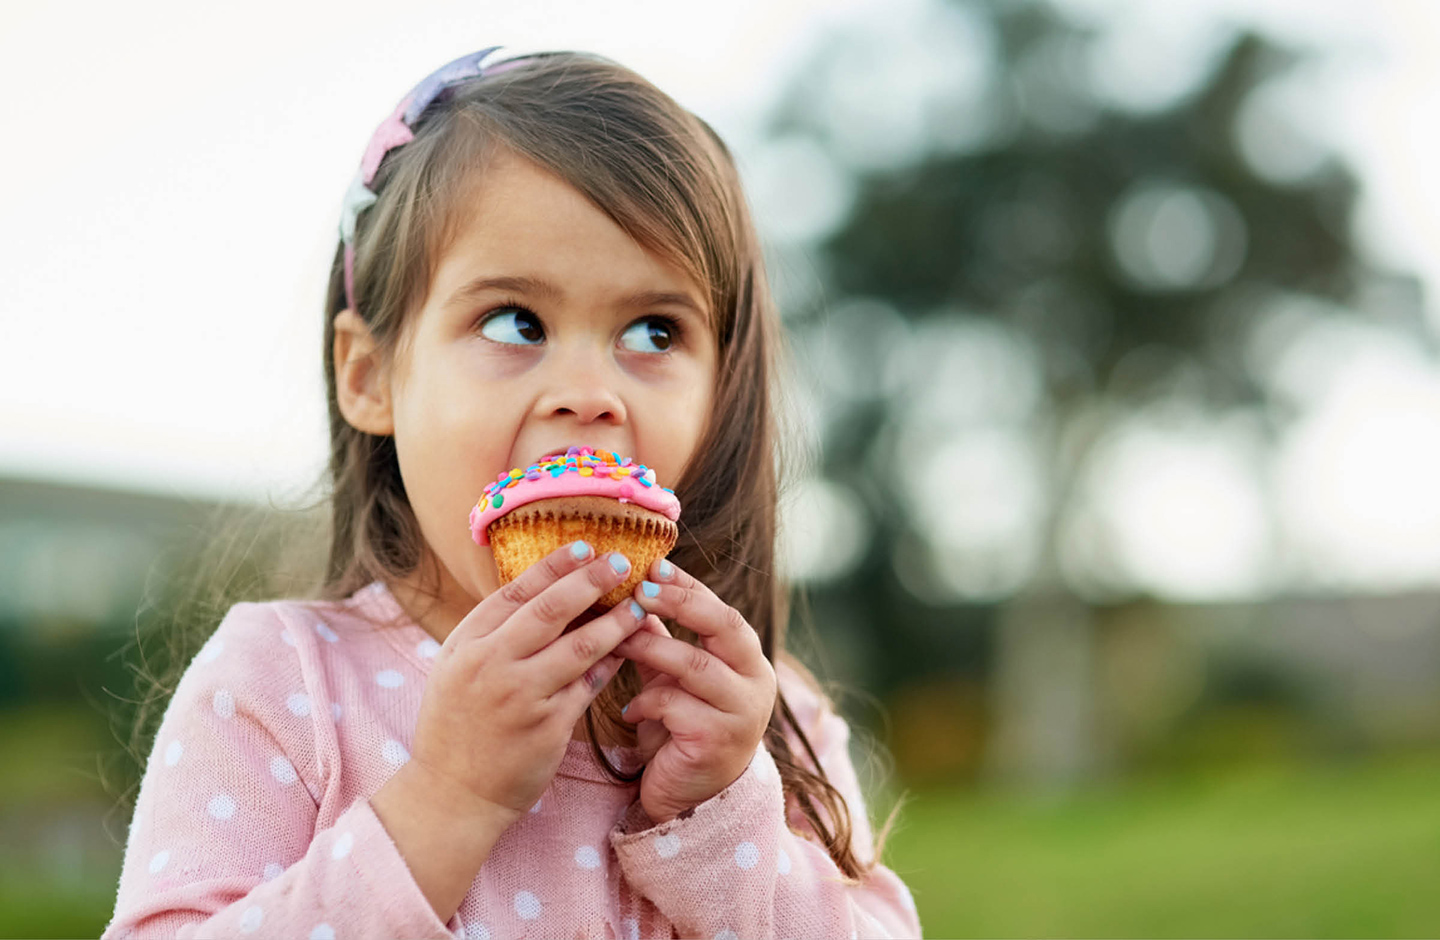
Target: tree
1128, 253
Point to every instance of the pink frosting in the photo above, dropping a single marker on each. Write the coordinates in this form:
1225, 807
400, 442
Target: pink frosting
561, 475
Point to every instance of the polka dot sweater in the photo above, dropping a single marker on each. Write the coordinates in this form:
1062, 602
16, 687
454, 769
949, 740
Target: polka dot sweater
253, 816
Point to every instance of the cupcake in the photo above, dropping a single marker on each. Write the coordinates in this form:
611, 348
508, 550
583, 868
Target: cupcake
611, 502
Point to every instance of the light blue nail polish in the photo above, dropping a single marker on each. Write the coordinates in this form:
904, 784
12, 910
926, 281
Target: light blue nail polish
625, 709
667, 570
580, 549
637, 611
650, 588
619, 562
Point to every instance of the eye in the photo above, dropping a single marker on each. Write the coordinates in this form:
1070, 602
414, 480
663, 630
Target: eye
661, 330
510, 321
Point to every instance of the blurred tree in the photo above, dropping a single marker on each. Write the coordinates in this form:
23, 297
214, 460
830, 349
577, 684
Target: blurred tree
1124, 252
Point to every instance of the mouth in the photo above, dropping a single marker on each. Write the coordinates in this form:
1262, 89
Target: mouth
561, 451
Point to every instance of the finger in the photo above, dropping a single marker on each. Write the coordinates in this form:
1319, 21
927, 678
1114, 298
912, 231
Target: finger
722, 630
699, 672
680, 712
655, 625
497, 607
572, 656
546, 615
563, 655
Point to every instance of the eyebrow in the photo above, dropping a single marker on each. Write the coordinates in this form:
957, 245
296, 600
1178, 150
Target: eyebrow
520, 284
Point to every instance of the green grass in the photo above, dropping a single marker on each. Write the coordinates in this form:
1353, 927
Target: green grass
1280, 852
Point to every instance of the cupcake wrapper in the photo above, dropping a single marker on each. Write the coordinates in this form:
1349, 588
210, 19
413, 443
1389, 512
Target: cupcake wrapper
527, 534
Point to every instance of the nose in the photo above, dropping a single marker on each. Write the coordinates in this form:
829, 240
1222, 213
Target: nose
582, 383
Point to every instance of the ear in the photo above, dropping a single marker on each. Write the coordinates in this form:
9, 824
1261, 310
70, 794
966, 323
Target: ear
362, 383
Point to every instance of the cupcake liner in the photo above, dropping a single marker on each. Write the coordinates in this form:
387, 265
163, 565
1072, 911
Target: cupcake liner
528, 533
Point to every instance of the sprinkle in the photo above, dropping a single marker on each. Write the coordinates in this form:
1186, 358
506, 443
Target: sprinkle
645, 482
513, 482
586, 471
532, 474
498, 501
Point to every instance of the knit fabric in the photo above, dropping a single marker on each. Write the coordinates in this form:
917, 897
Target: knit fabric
253, 815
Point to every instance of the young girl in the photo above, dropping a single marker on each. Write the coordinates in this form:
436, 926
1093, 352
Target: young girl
538, 253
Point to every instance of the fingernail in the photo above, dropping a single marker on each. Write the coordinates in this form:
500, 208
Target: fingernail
625, 709
637, 611
650, 588
667, 570
580, 549
619, 562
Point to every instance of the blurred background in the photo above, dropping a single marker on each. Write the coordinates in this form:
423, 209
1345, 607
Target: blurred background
1114, 327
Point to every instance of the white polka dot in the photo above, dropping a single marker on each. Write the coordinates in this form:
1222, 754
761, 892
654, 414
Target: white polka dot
273, 870
527, 905
477, 931
298, 703
427, 648
224, 704
394, 752
282, 770
726, 935
782, 863
158, 863
287, 638
335, 710
746, 855
587, 857
536, 807
323, 932
632, 929
667, 845
221, 806
389, 679
211, 650
172, 753
342, 845
250, 920
326, 634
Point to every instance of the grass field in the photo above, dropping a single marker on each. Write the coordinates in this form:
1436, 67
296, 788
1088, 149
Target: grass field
1281, 852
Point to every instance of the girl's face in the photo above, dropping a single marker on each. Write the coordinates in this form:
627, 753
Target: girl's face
545, 325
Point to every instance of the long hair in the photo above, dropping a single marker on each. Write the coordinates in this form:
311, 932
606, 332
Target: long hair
666, 178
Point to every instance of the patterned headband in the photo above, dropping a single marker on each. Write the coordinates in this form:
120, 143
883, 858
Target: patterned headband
396, 131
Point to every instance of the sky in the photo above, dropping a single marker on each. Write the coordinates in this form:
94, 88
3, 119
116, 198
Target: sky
175, 189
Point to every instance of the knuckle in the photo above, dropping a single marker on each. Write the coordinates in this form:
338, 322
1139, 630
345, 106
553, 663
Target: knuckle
736, 621
698, 660
513, 593
546, 607
600, 576
585, 646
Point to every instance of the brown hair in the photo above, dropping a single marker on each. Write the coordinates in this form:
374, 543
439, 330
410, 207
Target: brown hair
666, 178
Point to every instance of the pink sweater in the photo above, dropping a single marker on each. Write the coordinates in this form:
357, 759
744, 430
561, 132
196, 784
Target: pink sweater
253, 816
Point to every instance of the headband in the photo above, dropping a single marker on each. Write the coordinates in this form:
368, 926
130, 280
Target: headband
396, 131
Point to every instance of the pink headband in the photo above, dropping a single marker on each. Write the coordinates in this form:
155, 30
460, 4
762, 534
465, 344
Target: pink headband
396, 131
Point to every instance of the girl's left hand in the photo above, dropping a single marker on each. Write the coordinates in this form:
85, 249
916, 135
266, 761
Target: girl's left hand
714, 700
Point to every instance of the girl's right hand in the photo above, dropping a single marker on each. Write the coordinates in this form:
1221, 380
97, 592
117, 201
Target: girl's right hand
507, 688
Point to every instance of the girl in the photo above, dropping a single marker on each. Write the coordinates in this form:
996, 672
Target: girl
537, 253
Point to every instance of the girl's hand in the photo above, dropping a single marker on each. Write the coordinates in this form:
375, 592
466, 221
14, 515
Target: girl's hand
507, 687
714, 700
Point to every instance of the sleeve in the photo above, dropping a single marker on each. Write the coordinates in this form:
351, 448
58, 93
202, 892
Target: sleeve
733, 868
223, 840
